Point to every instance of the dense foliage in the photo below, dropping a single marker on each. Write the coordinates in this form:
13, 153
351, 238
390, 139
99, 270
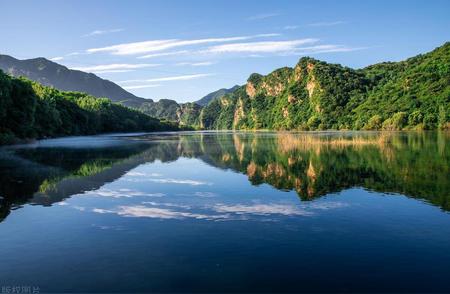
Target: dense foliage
315, 95
30, 110
185, 114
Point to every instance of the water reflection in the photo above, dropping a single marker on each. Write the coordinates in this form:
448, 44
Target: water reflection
312, 164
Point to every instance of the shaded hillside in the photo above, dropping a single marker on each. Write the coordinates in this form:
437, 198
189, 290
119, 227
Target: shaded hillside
30, 110
315, 95
49, 73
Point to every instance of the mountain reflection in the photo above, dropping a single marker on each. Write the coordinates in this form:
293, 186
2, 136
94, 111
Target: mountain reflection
312, 164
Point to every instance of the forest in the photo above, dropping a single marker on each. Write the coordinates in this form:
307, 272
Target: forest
29, 110
314, 95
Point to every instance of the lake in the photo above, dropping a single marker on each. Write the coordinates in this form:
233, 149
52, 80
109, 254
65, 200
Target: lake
227, 212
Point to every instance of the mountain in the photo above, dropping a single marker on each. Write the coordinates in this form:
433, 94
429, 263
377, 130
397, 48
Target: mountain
186, 114
49, 73
315, 95
215, 95
30, 110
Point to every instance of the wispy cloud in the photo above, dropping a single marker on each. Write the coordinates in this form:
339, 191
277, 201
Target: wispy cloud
206, 63
58, 58
166, 79
179, 181
260, 47
141, 86
173, 53
160, 45
74, 54
116, 67
122, 193
142, 174
262, 209
161, 213
102, 32
290, 27
325, 23
262, 16
205, 194
322, 49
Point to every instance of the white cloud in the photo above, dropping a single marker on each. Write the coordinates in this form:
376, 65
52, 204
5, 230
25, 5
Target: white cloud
167, 79
58, 58
180, 52
141, 174
160, 45
325, 24
205, 194
167, 204
290, 27
116, 67
206, 63
328, 205
161, 213
141, 86
102, 211
262, 16
323, 49
136, 174
262, 209
102, 32
122, 193
260, 47
179, 181
73, 54
113, 71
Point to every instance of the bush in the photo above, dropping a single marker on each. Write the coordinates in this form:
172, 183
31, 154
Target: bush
374, 123
397, 122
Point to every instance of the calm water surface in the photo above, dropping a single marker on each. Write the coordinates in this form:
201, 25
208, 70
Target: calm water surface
227, 212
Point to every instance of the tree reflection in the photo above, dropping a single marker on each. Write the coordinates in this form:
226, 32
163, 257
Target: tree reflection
312, 164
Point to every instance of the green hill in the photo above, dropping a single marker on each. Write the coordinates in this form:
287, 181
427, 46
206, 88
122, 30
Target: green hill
315, 95
215, 95
29, 110
49, 73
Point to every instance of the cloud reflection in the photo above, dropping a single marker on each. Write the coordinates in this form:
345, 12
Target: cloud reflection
126, 193
262, 209
162, 213
170, 181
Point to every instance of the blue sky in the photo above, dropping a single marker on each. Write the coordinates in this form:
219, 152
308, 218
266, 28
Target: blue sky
183, 50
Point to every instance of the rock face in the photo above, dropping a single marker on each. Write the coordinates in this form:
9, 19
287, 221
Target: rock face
275, 101
316, 95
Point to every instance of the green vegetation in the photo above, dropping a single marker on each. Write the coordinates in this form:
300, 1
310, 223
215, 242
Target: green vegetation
30, 110
185, 114
315, 95
215, 95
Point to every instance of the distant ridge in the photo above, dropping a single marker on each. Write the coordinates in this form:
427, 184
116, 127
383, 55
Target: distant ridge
215, 95
50, 73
